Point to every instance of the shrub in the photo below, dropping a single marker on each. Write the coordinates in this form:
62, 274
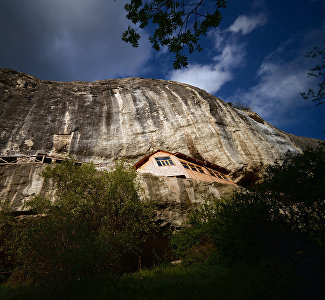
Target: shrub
278, 227
196, 243
96, 226
239, 105
297, 189
7, 261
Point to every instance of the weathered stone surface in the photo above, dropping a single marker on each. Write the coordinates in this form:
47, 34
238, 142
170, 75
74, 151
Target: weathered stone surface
173, 196
176, 196
19, 183
106, 120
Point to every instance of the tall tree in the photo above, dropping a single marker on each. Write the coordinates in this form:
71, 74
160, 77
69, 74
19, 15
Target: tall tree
177, 24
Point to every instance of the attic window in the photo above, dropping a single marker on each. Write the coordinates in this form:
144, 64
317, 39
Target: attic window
199, 169
164, 161
192, 167
217, 174
211, 173
222, 176
185, 165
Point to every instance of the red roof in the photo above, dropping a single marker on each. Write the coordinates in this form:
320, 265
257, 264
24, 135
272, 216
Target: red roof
204, 163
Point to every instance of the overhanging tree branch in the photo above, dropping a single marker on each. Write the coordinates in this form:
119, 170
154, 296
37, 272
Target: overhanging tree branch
173, 23
316, 95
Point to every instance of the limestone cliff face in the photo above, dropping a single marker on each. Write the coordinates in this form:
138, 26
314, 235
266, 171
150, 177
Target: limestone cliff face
106, 120
173, 197
19, 183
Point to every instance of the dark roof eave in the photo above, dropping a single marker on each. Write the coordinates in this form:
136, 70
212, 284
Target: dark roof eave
202, 163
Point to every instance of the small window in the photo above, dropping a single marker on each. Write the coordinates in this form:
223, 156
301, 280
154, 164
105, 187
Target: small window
200, 169
222, 176
218, 175
192, 167
178, 176
225, 178
164, 161
185, 165
211, 173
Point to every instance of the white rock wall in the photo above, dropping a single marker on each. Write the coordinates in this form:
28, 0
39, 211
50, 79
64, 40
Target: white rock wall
103, 121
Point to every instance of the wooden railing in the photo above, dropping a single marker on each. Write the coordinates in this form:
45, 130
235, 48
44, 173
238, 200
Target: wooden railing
31, 159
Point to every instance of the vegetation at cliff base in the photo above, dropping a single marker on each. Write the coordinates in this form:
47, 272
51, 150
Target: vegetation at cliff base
95, 227
264, 243
276, 229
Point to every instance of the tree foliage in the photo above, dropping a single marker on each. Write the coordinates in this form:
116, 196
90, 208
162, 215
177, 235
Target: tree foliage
177, 24
96, 225
278, 227
316, 95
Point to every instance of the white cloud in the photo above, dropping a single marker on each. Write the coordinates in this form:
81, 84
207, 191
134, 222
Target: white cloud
209, 78
281, 80
229, 54
212, 77
246, 24
277, 90
232, 55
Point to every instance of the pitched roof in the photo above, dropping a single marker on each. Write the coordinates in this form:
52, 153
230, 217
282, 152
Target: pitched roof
204, 163
146, 158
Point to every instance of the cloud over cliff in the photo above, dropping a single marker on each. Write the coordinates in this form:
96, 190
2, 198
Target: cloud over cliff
69, 39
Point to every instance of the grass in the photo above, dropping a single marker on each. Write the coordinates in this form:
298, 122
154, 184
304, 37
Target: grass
263, 281
159, 283
175, 282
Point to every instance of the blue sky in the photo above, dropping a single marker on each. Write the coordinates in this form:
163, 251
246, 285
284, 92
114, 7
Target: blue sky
255, 56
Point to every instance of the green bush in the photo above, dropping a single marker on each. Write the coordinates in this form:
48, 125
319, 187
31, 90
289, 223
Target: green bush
278, 227
195, 243
286, 209
297, 188
7, 260
96, 226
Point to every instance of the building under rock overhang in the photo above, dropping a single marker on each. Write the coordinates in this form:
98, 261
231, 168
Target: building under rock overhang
164, 163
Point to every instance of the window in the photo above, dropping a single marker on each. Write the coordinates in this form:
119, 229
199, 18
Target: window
225, 178
185, 165
178, 176
164, 161
222, 176
192, 167
200, 169
211, 173
217, 174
